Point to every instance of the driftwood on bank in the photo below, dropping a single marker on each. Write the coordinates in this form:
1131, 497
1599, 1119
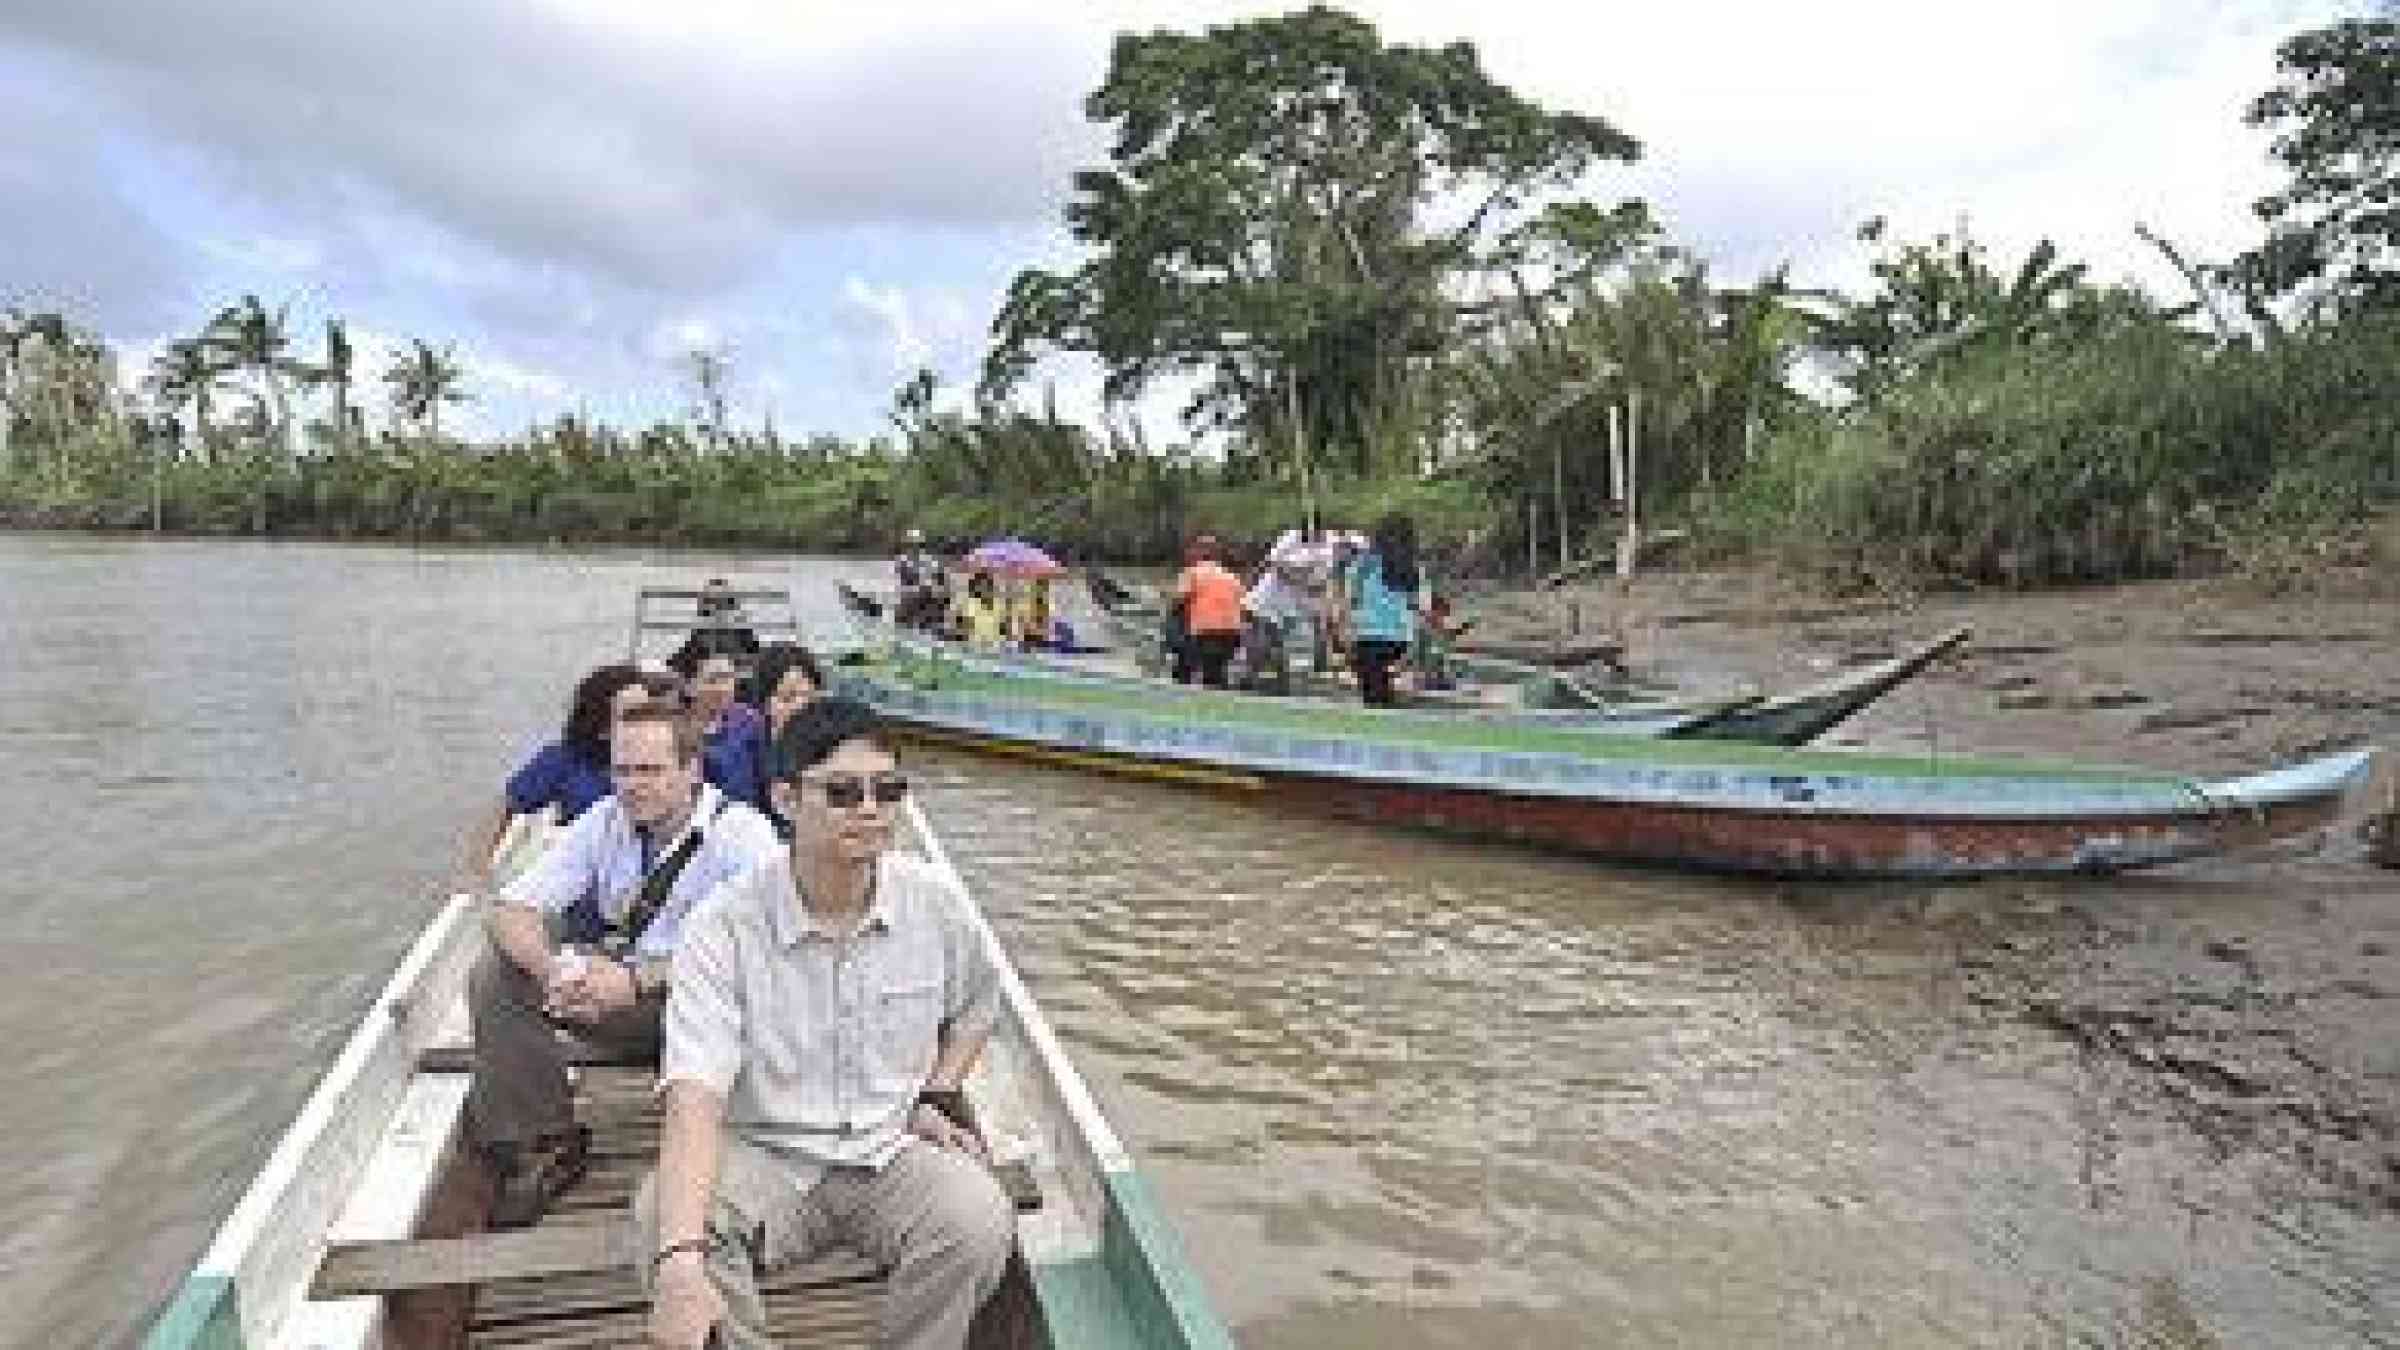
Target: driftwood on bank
2382, 830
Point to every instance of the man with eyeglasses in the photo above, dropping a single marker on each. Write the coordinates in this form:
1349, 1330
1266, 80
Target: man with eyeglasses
582, 941
826, 1008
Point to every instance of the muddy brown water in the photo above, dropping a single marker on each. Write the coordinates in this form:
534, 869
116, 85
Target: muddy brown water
1395, 1091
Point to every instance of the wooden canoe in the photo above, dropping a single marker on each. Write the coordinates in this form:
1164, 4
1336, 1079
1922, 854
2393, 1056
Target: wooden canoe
359, 1230
1706, 804
1788, 719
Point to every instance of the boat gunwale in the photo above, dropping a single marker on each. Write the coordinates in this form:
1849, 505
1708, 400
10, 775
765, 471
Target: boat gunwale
1811, 783
256, 1252
229, 1301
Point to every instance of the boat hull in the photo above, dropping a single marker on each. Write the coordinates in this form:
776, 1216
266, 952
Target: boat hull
1746, 810
1542, 698
377, 1157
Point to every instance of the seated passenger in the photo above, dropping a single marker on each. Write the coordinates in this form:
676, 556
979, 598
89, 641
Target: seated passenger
570, 773
640, 858
923, 593
733, 745
786, 679
720, 627
826, 1008
1029, 615
981, 619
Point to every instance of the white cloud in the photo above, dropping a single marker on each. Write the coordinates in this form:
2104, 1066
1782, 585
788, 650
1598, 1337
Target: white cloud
835, 194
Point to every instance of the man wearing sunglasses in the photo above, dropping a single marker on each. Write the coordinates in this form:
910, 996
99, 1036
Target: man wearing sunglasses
582, 942
825, 1009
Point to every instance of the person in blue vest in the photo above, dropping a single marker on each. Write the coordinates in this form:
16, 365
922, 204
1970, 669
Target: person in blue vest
734, 734
566, 775
1386, 593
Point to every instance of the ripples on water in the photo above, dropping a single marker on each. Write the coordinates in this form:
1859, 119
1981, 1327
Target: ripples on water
1409, 1092
1397, 1092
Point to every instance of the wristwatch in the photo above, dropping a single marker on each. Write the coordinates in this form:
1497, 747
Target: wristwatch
951, 1102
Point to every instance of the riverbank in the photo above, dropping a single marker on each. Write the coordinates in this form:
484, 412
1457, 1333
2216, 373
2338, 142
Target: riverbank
2248, 1003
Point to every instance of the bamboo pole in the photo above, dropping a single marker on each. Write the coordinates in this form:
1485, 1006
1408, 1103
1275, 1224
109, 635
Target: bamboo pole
1629, 544
1558, 476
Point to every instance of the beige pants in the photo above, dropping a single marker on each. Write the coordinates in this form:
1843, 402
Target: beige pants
520, 1090
934, 1218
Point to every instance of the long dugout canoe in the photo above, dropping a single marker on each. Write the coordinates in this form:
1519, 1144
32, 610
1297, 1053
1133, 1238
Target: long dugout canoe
1787, 719
371, 1177
1715, 805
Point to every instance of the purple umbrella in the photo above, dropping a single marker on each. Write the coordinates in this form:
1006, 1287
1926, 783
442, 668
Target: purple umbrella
1012, 558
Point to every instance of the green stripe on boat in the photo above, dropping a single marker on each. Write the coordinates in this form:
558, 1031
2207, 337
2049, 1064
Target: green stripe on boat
204, 1316
1253, 712
1153, 1273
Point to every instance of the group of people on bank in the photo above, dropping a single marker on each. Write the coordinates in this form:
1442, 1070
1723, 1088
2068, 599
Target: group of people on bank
1334, 595
1320, 592
722, 898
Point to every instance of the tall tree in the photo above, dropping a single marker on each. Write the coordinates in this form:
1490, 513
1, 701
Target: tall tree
2334, 231
185, 371
710, 367
250, 338
1287, 205
334, 373
421, 380
1938, 300
13, 339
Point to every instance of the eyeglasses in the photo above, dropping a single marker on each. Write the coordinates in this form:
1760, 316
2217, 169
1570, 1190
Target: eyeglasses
846, 791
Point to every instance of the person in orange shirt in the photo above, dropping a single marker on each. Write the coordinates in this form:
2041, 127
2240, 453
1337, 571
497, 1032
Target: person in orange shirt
1211, 598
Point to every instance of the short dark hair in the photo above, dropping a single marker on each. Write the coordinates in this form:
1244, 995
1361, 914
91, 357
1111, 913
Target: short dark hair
819, 729
687, 731
591, 708
778, 659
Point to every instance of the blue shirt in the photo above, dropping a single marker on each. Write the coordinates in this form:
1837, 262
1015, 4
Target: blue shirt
558, 776
598, 864
734, 755
1377, 612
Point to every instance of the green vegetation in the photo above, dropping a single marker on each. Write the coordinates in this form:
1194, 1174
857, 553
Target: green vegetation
1380, 274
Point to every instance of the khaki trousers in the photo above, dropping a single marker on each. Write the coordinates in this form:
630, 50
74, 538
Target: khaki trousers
520, 1090
934, 1218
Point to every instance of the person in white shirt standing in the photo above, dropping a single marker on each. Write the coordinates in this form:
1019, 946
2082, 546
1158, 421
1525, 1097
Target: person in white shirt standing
639, 860
826, 1010
1288, 601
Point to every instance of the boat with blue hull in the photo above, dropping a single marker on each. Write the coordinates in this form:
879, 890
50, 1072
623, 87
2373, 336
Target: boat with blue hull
1697, 803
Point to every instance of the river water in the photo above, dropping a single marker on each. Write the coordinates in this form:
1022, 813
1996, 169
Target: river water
1396, 1091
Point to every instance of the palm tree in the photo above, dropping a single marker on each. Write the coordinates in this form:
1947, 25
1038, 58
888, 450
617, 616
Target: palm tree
422, 379
334, 372
13, 336
248, 338
185, 371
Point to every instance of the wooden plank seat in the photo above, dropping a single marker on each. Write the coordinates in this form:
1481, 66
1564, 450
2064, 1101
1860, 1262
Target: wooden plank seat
569, 1281
579, 1053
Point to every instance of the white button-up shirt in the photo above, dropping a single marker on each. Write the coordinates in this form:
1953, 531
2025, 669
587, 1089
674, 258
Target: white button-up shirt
601, 858
818, 1044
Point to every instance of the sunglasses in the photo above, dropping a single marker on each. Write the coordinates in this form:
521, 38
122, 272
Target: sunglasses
844, 791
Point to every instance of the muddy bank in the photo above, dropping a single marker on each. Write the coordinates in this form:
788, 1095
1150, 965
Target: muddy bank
2248, 1002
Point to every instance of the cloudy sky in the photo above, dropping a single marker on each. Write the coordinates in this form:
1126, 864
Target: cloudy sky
574, 191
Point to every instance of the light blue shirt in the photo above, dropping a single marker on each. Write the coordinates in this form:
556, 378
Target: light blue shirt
1378, 612
599, 857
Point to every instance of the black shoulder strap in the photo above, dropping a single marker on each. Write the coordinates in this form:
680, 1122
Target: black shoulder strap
657, 886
